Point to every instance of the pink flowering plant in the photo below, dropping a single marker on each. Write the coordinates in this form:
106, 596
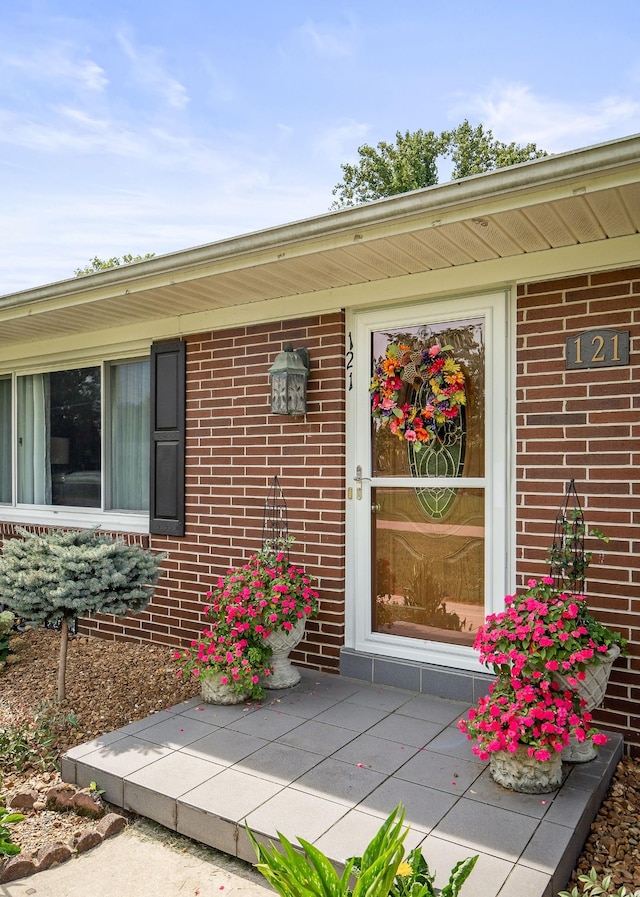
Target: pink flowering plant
536, 713
242, 660
282, 592
266, 594
542, 632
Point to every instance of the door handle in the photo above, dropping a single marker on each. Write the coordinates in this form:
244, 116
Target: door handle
358, 479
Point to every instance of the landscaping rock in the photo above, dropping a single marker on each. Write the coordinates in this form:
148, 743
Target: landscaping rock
85, 804
612, 846
60, 799
17, 867
28, 681
24, 800
112, 824
88, 838
52, 855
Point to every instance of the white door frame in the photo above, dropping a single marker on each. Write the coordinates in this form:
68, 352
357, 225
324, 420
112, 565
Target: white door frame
499, 519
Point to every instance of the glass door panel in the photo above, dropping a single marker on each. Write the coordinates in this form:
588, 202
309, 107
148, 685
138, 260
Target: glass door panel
427, 484
428, 573
390, 454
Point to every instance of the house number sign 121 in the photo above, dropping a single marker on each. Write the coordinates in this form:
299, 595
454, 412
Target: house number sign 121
597, 349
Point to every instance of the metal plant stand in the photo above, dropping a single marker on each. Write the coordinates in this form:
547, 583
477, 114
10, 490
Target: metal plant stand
275, 520
568, 560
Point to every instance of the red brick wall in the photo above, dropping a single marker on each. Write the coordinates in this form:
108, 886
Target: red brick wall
584, 425
570, 424
235, 446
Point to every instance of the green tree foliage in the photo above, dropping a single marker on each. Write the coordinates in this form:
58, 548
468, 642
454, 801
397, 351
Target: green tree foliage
61, 575
411, 163
388, 169
96, 264
474, 151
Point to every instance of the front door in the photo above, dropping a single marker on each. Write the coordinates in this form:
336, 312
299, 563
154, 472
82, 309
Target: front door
427, 510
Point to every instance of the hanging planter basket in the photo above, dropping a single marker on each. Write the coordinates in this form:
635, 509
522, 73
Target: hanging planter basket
591, 690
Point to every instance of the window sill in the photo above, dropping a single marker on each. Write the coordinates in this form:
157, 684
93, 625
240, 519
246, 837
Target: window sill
84, 518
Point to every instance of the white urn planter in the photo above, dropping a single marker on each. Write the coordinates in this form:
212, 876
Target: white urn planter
520, 772
281, 642
592, 691
214, 691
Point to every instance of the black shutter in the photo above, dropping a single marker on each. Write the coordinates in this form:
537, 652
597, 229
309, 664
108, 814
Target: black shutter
166, 505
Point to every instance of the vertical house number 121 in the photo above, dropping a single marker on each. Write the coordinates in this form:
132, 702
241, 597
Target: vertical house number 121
597, 349
349, 362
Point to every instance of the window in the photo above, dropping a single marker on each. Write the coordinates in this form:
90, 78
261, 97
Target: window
129, 436
82, 437
59, 435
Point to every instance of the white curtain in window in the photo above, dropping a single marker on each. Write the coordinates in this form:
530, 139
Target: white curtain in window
34, 468
129, 400
5, 440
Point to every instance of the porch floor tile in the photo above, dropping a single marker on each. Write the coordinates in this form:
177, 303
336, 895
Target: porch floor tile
326, 761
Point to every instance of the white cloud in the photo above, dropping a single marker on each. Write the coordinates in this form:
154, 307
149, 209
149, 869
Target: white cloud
339, 142
220, 86
49, 235
329, 41
149, 71
515, 113
285, 131
56, 63
71, 130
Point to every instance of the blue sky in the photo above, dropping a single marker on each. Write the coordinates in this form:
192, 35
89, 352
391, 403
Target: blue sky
153, 127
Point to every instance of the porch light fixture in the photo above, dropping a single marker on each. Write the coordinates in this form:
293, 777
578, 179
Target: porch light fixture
288, 375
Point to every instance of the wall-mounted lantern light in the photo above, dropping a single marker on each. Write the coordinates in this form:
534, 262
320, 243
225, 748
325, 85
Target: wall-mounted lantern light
289, 374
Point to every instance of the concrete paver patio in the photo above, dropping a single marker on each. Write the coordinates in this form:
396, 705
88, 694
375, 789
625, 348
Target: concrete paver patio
327, 761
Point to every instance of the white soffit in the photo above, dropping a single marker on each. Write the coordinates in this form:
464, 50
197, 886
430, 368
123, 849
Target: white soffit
401, 236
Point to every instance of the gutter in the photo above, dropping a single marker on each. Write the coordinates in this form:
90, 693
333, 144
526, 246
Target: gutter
537, 174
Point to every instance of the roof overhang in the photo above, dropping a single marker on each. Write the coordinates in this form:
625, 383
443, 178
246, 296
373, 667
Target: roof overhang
589, 196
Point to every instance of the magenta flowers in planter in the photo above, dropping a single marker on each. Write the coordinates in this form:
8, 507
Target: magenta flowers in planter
543, 631
538, 714
540, 634
266, 595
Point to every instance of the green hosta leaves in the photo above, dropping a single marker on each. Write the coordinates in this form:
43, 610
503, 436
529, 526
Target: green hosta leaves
7, 847
294, 875
379, 863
